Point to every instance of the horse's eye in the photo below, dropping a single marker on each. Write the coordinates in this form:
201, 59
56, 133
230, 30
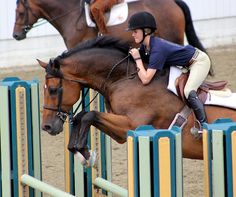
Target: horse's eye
52, 91
21, 14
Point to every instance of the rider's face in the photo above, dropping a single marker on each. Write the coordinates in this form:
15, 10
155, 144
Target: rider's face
137, 35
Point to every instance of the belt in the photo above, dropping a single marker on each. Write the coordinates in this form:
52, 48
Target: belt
194, 58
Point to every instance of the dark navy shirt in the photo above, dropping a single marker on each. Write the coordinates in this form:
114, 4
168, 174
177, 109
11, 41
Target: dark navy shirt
88, 1
164, 53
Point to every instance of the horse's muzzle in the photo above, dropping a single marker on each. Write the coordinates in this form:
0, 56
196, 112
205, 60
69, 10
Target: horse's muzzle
53, 128
19, 36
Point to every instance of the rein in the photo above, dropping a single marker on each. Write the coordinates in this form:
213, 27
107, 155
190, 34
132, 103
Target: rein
62, 114
115, 65
42, 22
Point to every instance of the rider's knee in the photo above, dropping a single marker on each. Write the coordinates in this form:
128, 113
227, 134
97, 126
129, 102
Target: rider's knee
187, 91
94, 10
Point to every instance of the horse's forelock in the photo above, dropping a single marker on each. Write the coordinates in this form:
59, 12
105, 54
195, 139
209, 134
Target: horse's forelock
53, 67
56, 63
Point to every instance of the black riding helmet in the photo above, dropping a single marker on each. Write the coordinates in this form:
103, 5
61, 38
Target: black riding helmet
142, 20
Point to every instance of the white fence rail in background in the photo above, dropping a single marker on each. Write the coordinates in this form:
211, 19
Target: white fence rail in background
42, 42
214, 22
212, 9
25, 52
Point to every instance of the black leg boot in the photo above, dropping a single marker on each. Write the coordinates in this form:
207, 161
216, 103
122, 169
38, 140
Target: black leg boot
199, 111
197, 106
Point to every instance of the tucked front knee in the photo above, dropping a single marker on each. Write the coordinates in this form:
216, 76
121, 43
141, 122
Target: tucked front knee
88, 118
187, 92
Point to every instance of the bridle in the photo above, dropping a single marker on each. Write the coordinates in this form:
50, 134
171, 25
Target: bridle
26, 25
59, 92
52, 73
28, 9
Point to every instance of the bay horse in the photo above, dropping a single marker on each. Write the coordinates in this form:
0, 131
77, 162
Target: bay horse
103, 65
68, 17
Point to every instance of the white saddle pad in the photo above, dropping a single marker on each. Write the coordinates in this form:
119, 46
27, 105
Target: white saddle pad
212, 98
118, 14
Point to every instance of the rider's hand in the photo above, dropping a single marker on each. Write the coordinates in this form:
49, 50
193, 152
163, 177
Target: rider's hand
135, 53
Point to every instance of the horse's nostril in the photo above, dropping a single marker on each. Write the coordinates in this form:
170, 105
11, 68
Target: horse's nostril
47, 127
15, 36
19, 36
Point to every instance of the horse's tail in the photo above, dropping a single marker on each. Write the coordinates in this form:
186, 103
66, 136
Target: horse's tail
190, 32
189, 28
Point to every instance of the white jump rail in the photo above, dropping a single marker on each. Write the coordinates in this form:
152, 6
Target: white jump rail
110, 187
43, 187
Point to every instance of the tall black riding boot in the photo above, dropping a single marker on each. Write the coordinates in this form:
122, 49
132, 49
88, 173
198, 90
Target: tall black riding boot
197, 107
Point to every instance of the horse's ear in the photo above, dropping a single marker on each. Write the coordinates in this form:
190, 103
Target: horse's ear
42, 64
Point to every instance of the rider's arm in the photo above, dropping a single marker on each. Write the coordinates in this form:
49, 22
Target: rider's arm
144, 75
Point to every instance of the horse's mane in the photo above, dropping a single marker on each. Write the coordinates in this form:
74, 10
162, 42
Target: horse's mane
107, 42
99, 42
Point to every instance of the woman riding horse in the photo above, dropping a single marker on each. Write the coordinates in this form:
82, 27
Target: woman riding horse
159, 53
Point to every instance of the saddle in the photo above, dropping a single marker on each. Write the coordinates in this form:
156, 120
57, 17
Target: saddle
117, 15
202, 90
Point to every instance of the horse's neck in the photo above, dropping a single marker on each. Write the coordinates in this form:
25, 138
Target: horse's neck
66, 17
102, 74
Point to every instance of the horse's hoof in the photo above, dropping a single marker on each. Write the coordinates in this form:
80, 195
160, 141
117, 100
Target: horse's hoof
72, 149
196, 133
92, 159
87, 163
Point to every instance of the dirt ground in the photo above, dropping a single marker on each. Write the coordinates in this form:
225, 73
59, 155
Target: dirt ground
224, 61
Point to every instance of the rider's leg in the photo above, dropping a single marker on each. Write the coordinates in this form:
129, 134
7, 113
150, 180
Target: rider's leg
198, 73
197, 106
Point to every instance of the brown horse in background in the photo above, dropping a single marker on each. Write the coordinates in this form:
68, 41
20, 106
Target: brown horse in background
103, 65
68, 17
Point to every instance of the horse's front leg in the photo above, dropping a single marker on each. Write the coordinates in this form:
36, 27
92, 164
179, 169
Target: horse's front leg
81, 151
116, 126
76, 125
